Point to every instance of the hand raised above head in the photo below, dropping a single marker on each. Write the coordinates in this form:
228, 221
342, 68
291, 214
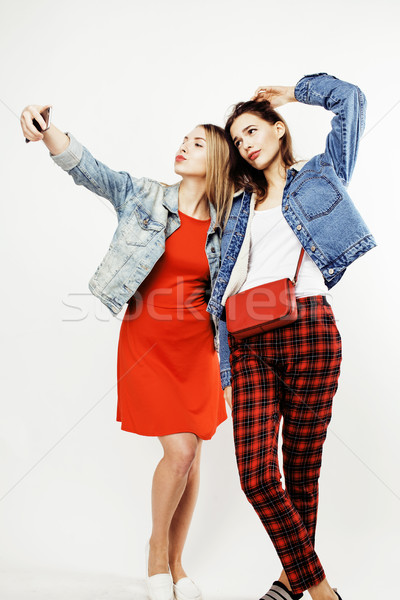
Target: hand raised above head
277, 95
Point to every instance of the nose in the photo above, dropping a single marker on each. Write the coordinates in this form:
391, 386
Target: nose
247, 143
183, 148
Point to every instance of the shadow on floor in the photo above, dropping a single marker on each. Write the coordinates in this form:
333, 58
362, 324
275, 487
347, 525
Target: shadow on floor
63, 585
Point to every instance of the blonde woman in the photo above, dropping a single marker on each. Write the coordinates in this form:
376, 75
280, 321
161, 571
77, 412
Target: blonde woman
162, 261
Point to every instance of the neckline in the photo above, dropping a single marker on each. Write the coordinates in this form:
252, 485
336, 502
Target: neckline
194, 218
266, 210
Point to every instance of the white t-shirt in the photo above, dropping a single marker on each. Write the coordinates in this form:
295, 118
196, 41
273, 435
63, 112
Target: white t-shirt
274, 252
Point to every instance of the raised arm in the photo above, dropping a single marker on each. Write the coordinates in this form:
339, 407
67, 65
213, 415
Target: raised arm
344, 99
348, 103
74, 158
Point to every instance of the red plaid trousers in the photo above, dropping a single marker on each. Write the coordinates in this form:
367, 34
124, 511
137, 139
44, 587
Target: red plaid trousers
291, 372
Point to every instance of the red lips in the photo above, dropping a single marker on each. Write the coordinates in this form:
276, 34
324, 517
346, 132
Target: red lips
254, 155
179, 158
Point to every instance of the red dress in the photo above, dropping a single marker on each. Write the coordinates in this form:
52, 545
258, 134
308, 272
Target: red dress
168, 370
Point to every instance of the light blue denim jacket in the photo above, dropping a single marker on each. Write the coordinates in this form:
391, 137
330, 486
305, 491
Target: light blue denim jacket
315, 200
147, 213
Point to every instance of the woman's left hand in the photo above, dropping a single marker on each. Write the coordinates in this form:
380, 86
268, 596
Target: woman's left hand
277, 95
228, 395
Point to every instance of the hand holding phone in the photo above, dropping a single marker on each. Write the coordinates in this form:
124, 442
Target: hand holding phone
46, 115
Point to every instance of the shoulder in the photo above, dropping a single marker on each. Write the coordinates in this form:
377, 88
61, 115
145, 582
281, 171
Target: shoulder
297, 166
154, 196
303, 168
240, 207
152, 188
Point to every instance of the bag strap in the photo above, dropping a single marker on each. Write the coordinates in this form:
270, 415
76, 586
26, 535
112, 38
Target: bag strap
298, 266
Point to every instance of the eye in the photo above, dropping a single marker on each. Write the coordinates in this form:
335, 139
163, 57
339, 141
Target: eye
237, 144
252, 129
199, 145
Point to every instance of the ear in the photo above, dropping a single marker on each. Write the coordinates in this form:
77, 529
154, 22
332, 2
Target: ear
280, 128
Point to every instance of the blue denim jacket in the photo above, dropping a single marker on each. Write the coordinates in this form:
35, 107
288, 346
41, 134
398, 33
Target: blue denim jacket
147, 213
315, 200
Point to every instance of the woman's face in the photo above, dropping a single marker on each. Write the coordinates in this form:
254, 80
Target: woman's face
190, 160
257, 140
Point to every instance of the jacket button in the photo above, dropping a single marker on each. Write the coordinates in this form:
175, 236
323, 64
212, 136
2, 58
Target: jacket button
212, 249
145, 222
331, 271
312, 248
298, 227
287, 207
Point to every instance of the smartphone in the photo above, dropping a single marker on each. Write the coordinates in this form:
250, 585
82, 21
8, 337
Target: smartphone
46, 114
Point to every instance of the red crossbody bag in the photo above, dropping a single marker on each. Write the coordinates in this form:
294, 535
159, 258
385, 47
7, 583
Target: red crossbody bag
263, 307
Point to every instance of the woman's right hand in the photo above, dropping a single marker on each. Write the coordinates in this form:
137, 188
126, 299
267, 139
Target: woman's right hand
228, 395
277, 95
30, 112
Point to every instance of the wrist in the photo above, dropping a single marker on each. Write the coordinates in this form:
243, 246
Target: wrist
290, 94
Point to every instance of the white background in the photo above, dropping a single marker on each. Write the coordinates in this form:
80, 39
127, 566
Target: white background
129, 79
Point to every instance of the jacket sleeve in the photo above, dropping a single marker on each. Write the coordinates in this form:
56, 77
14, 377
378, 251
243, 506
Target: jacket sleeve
115, 186
224, 354
348, 103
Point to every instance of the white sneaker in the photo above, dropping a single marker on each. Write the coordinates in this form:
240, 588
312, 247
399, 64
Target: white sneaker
186, 589
159, 586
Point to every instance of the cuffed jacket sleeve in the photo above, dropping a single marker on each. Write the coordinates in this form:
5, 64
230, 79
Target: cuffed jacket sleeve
348, 103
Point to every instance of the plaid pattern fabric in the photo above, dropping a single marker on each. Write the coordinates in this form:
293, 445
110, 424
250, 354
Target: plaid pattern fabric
290, 373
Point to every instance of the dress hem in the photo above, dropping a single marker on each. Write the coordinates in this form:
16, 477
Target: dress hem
202, 437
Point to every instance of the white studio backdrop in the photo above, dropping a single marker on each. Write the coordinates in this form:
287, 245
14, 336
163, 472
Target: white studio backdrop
129, 79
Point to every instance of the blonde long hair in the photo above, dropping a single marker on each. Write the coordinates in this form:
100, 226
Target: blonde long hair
219, 185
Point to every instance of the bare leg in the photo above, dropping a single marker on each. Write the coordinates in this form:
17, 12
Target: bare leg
283, 579
182, 518
322, 591
169, 483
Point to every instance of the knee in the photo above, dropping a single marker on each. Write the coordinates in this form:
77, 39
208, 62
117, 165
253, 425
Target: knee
261, 486
181, 459
302, 484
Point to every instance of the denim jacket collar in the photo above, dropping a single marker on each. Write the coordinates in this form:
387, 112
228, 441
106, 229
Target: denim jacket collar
170, 202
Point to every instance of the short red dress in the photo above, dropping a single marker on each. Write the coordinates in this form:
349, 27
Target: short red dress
168, 370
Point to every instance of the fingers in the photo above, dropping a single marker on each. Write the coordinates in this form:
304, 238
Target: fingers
30, 131
276, 95
36, 114
258, 91
228, 395
262, 93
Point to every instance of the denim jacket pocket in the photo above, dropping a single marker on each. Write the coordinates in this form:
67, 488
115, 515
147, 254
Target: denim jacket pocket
316, 197
139, 227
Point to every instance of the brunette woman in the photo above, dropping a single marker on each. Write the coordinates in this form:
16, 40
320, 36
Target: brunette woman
289, 372
162, 260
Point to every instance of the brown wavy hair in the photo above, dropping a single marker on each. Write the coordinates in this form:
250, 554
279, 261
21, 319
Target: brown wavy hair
243, 175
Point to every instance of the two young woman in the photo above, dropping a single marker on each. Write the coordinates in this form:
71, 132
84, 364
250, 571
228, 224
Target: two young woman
164, 257
290, 372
